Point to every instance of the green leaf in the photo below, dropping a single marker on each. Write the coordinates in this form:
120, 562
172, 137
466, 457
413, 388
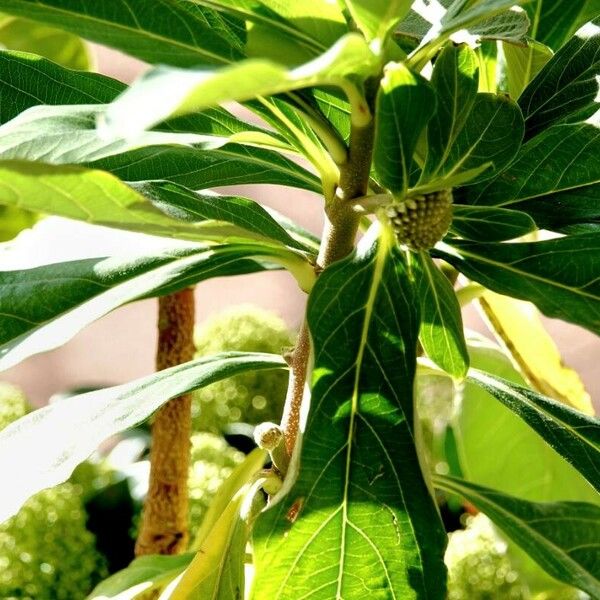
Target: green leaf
561, 537
554, 22
496, 445
470, 133
574, 435
554, 178
490, 224
78, 292
376, 18
518, 327
27, 80
98, 197
173, 32
14, 220
358, 456
144, 574
62, 48
67, 432
522, 63
441, 332
566, 89
405, 104
435, 23
193, 90
217, 570
544, 273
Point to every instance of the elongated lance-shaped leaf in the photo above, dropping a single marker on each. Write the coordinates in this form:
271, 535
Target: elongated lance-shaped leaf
98, 197
470, 133
67, 432
555, 178
173, 32
193, 89
560, 276
574, 435
552, 23
490, 224
405, 104
43, 307
518, 327
59, 46
566, 89
441, 331
27, 80
360, 507
562, 537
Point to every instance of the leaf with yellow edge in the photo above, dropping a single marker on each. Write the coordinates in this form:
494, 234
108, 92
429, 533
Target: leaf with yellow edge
518, 327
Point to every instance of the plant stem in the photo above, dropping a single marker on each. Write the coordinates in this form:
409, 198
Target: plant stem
339, 234
164, 527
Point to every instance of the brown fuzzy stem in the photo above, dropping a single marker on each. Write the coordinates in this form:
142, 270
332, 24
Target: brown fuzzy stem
164, 527
339, 233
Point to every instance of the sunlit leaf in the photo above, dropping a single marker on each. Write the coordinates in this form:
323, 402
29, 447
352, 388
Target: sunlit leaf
522, 63
375, 18
67, 432
441, 332
519, 328
193, 89
359, 457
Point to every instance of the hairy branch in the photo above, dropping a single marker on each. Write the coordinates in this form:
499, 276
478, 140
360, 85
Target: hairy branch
339, 234
164, 527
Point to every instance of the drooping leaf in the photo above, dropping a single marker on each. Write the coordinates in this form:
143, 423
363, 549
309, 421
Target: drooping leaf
376, 18
193, 90
490, 224
518, 327
27, 81
496, 446
470, 133
562, 536
441, 331
27, 36
545, 273
98, 197
359, 457
405, 104
175, 32
67, 432
555, 22
78, 292
566, 89
522, 63
144, 574
575, 436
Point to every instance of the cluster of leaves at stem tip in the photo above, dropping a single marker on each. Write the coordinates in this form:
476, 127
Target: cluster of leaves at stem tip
461, 136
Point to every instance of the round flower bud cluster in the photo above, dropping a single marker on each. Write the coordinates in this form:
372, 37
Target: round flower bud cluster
251, 397
268, 435
422, 220
13, 404
478, 565
212, 461
46, 552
